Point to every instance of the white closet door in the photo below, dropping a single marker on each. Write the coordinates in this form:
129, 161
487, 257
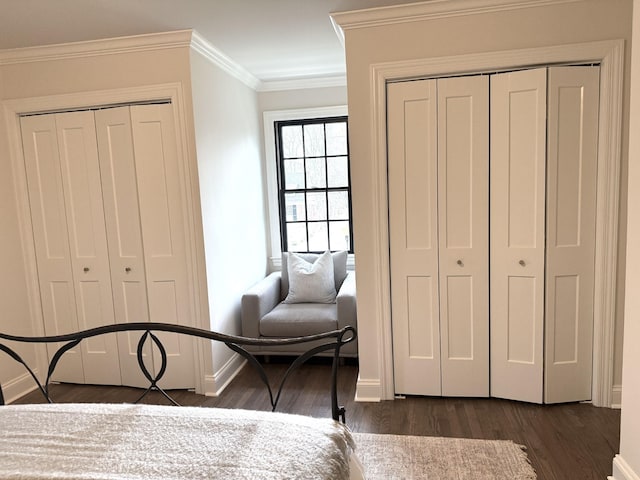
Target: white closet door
122, 217
71, 251
463, 212
88, 242
162, 211
571, 213
50, 234
517, 229
413, 227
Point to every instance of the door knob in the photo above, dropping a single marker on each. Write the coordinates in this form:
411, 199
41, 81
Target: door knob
459, 262
521, 262
127, 269
85, 269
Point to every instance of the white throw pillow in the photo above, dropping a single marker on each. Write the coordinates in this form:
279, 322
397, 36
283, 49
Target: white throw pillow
311, 282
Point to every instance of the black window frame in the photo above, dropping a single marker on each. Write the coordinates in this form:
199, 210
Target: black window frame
278, 125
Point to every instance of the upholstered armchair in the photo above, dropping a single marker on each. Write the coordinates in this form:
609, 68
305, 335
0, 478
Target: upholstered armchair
277, 306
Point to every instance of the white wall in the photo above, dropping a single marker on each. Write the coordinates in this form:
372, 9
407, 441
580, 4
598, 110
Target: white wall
548, 25
15, 317
626, 466
228, 145
302, 98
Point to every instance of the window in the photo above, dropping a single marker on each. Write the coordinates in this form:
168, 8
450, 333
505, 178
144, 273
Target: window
313, 184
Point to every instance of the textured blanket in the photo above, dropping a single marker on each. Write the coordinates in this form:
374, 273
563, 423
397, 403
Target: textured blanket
104, 441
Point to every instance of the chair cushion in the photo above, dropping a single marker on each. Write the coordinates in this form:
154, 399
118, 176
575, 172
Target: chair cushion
297, 319
311, 282
339, 269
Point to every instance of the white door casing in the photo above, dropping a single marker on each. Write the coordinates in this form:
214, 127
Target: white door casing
571, 225
517, 233
378, 366
413, 228
463, 210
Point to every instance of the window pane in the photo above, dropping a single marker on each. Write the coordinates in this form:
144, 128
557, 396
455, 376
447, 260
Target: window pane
318, 237
336, 138
293, 174
294, 205
337, 172
339, 235
316, 173
296, 237
292, 141
317, 206
338, 206
314, 140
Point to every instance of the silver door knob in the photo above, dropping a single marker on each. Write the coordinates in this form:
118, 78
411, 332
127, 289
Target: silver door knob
521, 262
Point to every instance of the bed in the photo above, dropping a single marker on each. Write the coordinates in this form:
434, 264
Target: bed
141, 441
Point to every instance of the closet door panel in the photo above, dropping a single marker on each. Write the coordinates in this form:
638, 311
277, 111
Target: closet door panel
517, 229
88, 242
49, 220
413, 227
162, 212
122, 217
463, 212
571, 164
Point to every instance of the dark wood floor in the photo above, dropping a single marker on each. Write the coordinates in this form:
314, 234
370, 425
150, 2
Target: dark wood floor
564, 442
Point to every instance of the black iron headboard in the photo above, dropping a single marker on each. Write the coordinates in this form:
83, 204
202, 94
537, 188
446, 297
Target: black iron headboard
323, 342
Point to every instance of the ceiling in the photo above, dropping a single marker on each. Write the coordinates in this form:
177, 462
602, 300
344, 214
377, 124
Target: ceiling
272, 39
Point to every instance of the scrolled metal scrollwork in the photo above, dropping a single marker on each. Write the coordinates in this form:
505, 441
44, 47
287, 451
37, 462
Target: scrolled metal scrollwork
323, 342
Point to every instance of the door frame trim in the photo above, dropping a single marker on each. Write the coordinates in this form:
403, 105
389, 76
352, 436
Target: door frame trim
12, 110
610, 55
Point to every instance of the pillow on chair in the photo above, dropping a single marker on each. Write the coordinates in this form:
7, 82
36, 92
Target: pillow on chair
339, 269
311, 282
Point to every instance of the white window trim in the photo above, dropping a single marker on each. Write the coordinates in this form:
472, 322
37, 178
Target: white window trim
269, 119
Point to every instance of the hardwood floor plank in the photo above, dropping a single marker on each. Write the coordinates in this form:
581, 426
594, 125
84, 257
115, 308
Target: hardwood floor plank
575, 441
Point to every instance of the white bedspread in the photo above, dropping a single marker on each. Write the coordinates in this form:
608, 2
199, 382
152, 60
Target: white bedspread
105, 441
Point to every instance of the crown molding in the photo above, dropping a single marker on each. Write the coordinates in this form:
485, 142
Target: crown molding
91, 48
159, 41
414, 12
303, 83
202, 46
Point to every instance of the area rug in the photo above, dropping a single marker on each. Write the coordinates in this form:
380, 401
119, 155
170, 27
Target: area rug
406, 457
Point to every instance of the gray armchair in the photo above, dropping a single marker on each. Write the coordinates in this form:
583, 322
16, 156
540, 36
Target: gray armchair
264, 315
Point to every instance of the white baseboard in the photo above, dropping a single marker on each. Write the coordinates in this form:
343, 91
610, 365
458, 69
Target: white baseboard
616, 396
215, 384
622, 470
368, 390
18, 387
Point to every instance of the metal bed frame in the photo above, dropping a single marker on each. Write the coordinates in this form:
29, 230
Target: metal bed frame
329, 341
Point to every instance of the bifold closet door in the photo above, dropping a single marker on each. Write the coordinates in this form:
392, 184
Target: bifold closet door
413, 236
162, 204
65, 194
122, 217
438, 198
571, 213
517, 233
463, 210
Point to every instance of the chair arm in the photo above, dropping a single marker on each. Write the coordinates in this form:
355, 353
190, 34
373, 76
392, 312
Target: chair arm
346, 302
257, 302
